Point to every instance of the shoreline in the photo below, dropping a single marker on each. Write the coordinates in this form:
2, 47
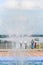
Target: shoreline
31, 52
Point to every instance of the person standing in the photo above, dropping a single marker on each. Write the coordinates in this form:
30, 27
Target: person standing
32, 44
35, 45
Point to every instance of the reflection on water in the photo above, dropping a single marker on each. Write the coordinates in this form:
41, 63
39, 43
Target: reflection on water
20, 63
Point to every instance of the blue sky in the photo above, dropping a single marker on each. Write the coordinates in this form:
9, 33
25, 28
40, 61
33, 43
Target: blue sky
1, 1
21, 17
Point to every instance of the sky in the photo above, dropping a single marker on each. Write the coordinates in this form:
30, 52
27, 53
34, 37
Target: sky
21, 17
